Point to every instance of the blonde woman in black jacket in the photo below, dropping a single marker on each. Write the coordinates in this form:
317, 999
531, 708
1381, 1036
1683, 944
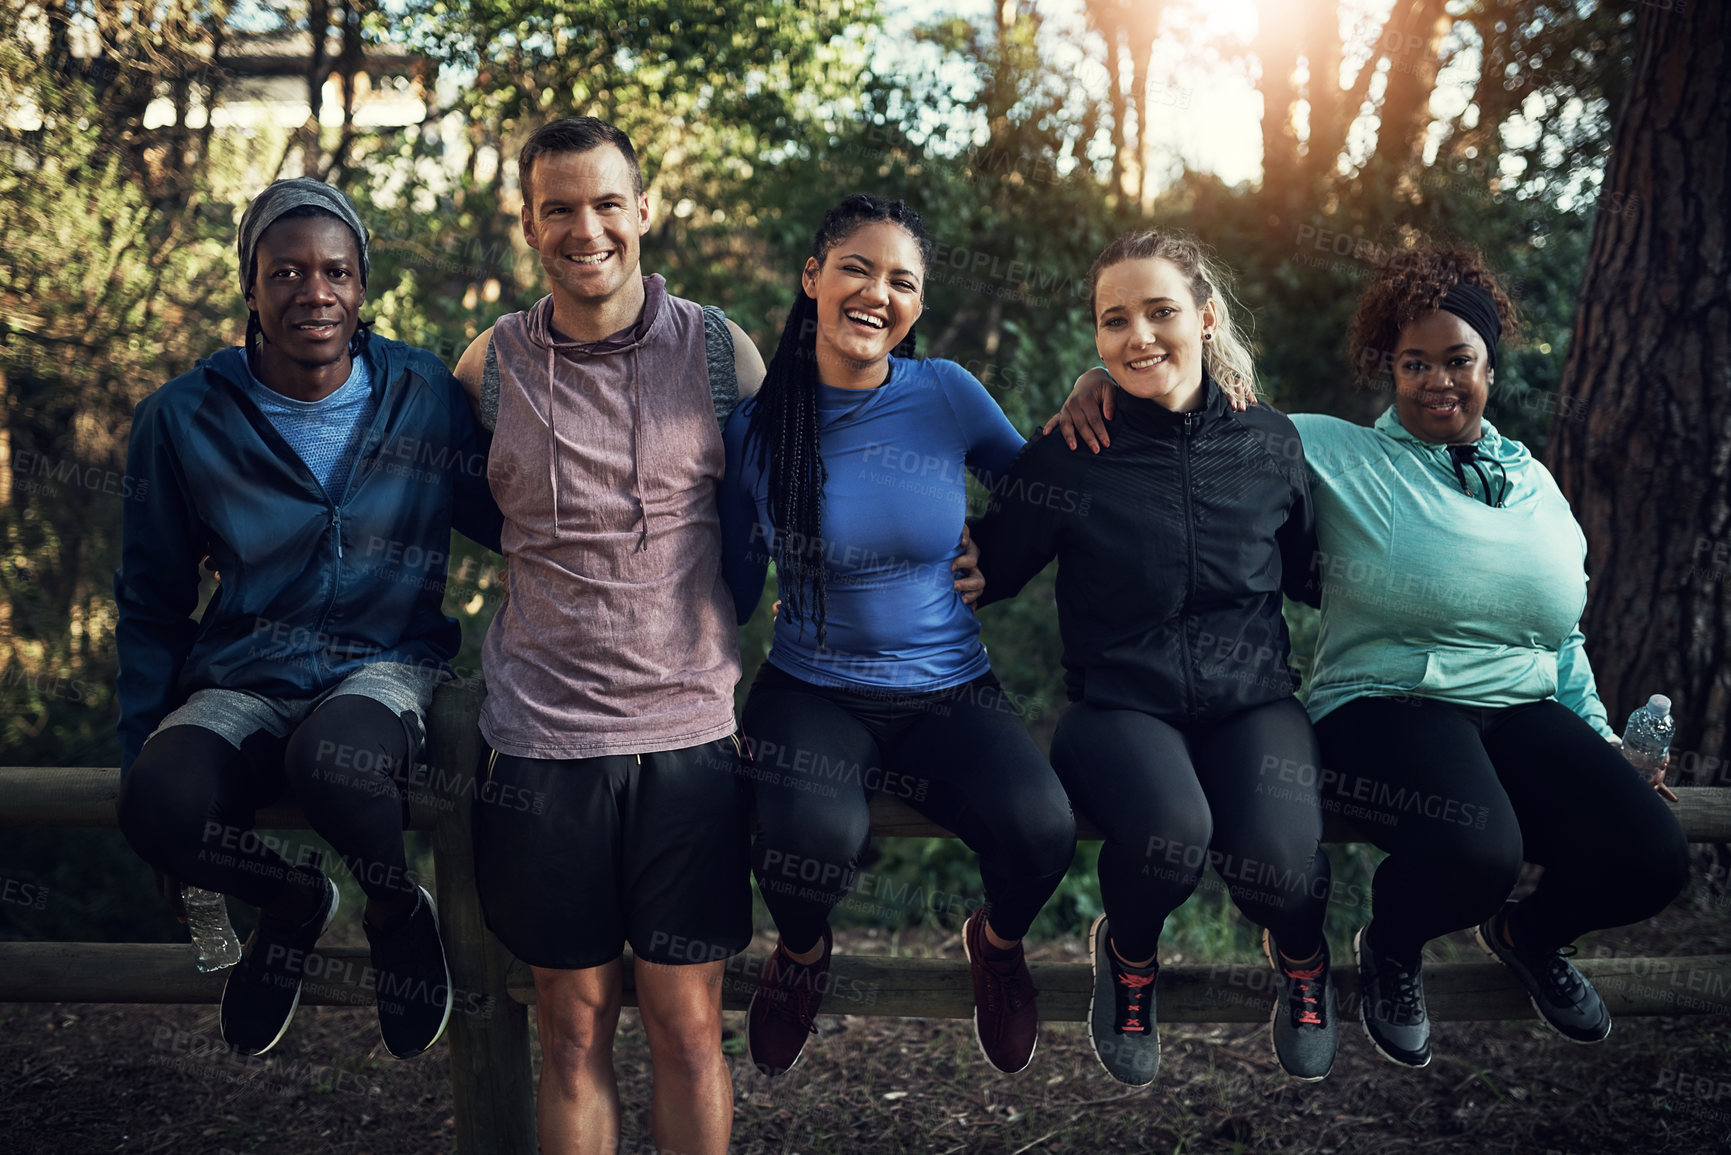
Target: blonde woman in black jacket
1184, 743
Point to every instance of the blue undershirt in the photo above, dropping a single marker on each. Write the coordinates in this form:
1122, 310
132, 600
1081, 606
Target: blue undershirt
893, 509
325, 433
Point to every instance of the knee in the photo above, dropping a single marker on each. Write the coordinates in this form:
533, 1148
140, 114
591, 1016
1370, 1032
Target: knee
684, 1041
1483, 862
811, 843
1040, 835
1660, 862
576, 1035
348, 740
156, 818
140, 800
1175, 840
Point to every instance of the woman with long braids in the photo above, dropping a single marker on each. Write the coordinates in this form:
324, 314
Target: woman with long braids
1184, 741
848, 470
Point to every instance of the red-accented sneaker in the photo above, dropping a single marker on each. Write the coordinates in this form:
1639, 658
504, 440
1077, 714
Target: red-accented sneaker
1121, 1023
1303, 1024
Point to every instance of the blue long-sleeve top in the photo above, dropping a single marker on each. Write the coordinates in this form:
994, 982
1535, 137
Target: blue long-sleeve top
893, 508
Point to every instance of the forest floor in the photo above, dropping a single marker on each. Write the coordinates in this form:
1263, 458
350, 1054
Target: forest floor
77, 1079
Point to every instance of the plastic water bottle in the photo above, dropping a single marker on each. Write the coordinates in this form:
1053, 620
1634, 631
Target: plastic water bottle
1647, 737
214, 945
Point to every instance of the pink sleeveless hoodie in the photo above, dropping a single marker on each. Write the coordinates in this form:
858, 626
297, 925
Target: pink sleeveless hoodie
617, 632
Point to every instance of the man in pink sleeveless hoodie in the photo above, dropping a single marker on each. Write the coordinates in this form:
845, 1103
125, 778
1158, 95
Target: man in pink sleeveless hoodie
612, 662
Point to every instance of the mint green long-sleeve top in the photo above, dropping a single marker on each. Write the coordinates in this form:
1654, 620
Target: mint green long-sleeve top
1429, 591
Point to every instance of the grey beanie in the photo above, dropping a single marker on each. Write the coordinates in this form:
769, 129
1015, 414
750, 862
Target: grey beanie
280, 198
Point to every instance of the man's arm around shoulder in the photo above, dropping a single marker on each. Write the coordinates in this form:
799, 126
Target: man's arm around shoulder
748, 364
469, 366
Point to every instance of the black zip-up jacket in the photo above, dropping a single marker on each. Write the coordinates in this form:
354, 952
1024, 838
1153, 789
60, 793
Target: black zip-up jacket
1175, 544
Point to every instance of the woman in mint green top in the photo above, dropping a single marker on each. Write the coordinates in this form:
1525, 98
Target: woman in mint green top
1431, 592
1460, 728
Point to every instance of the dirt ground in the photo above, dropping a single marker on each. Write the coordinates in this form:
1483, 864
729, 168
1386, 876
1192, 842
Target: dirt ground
88, 1078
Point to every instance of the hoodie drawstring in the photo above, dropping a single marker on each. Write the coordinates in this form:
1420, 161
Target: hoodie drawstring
637, 454
1465, 455
552, 440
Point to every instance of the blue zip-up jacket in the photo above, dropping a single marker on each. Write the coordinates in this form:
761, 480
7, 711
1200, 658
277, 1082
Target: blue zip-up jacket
310, 589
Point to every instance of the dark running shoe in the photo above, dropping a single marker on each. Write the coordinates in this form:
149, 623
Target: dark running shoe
1560, 993
1391, 1004
411, 981
1303, 1024
1006, 1020
263, 990
1121, 1012
783, 1012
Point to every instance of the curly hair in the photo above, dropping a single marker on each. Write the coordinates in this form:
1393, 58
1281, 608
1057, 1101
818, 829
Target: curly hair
1411, 284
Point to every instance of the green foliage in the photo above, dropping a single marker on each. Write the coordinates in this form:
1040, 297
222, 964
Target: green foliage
105, 292
751, 118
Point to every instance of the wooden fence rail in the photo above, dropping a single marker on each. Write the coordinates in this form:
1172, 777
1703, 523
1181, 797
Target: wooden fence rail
489, 1033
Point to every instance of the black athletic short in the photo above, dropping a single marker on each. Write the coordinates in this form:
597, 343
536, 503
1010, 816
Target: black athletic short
575, 857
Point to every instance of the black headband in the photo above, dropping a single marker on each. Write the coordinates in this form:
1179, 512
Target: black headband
1478, 309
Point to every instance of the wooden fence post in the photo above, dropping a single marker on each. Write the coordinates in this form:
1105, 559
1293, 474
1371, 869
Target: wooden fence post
491, 1087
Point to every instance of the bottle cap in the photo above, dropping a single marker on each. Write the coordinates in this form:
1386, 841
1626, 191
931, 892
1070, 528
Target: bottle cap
1658, 705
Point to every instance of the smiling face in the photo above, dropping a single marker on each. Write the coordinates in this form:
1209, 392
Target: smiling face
1149, 330
582, 216
1441, 379
307, 293
869, 290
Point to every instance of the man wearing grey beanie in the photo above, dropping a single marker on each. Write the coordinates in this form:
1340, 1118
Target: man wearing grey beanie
318, 471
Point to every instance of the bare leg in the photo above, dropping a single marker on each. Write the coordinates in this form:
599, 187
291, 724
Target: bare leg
692, 1109
577, 1013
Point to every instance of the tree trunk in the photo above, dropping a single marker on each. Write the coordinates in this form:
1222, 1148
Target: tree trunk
1639, 442
1277, 47
1319, 43
1141, 53
1107, 19
317, 71
1412, 41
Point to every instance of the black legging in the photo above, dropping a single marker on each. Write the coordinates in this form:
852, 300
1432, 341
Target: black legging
1172, 801
961, 757
188, 804
1460, 795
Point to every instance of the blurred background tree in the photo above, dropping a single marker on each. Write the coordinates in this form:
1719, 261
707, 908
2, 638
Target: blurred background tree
1644, 417
1305, 140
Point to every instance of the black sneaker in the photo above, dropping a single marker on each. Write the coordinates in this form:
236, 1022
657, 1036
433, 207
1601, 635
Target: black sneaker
1391, 1004
263, 990
411, 981
1303, 1024
783, 1011
1560, 993
1121, 1023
